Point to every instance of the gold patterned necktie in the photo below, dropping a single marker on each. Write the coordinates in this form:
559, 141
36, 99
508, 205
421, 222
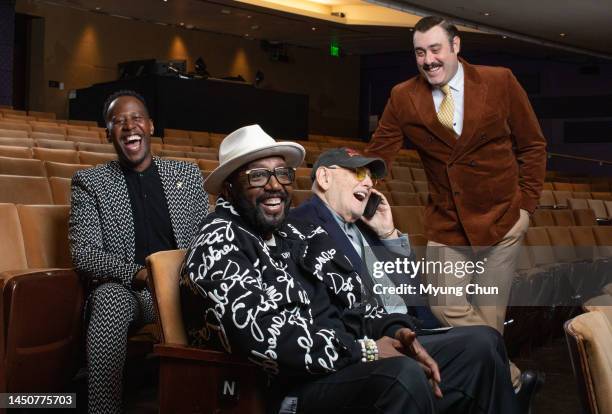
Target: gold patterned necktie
446, 111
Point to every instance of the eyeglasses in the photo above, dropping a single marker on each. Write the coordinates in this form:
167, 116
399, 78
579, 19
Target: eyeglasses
123, 120
360, 173
259, 177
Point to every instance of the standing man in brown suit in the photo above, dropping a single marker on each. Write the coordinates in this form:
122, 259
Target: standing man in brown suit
485, 159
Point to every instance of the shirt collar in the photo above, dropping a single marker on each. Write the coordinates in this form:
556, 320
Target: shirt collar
344, 225
456, 82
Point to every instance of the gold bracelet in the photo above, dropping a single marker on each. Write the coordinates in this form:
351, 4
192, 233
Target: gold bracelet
384, 236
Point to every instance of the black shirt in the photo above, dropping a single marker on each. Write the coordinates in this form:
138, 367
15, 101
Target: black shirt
152, 225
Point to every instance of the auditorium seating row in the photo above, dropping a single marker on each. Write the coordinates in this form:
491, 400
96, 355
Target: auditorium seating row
41, 300
559, 199
16, 128
56, 155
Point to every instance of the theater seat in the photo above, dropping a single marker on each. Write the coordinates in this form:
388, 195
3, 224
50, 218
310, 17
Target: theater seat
43, 312
15, 152
394, 185
178, 133
45, 235
60, 189
59, 169
91, 147
11, 240
22, 166
95, 158
85, 139
409, 219
589, 337
207, 165
56, 155
178, 141
192, 379
55, 144
20, 189
299, 196
199, 138
16, 142
543, 217
405, 199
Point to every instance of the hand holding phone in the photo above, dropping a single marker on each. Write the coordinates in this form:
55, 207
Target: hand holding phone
372, 205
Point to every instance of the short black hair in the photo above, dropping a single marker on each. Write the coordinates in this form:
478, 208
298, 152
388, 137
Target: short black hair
428, 22
119, 94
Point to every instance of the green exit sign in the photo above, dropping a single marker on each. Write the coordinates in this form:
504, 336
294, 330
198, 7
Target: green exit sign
334, 48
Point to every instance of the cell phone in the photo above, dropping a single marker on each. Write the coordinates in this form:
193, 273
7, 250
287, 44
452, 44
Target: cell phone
372, 205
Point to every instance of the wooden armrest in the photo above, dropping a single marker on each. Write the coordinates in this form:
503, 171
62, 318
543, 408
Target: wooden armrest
205, 355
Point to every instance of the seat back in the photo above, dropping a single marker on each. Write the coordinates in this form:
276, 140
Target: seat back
20, 189
409, 219
45, 235
95, 158
22, 166
164, 269
61, 189
15, 152
11, 239
60, 169
589, 337
56, 155
42, 330
16, 142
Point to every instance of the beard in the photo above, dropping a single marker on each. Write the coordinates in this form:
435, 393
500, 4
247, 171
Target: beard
264, 225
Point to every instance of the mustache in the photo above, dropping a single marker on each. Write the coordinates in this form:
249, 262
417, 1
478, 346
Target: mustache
272, 194
431, 66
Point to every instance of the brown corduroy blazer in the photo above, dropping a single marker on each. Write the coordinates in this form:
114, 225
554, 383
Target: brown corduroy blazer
479, 180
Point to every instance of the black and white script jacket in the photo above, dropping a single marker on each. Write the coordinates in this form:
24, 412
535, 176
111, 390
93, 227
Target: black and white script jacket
296, 308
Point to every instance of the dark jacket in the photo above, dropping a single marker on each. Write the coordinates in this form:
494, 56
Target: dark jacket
294, 309
315, 212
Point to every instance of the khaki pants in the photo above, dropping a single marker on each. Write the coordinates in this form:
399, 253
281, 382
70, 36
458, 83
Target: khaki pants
499, 268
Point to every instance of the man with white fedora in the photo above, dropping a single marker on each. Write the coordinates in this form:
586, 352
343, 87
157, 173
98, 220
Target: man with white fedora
280, 293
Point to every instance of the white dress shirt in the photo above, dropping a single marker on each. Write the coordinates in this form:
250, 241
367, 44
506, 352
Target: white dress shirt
456, 89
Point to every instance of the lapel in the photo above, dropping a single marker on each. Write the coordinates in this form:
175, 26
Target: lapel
426, 111
121, 208
337, 234
173, 188
474, 105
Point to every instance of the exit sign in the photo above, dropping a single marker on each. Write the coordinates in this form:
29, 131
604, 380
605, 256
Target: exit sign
334, 48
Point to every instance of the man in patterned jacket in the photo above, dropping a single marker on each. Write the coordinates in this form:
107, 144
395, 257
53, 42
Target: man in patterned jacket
121, 212
282, 294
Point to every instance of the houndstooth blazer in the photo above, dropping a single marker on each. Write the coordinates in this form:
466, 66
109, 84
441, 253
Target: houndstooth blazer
101, 226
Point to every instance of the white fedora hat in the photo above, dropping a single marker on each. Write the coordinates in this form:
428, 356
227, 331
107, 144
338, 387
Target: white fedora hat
248, 144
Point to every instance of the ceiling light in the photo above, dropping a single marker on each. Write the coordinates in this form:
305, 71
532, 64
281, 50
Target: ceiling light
486, 14
562, 34
504, 37
254, 27
189, 26
249, 16
246, 35
314, 28
181, 24
98, 8
226, 11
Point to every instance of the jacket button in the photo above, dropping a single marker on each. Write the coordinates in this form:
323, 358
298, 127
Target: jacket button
456, 193
472, 163
483, 136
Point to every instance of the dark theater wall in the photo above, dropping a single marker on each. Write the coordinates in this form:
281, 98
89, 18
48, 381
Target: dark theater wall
83, 48
572, 97
7, 34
